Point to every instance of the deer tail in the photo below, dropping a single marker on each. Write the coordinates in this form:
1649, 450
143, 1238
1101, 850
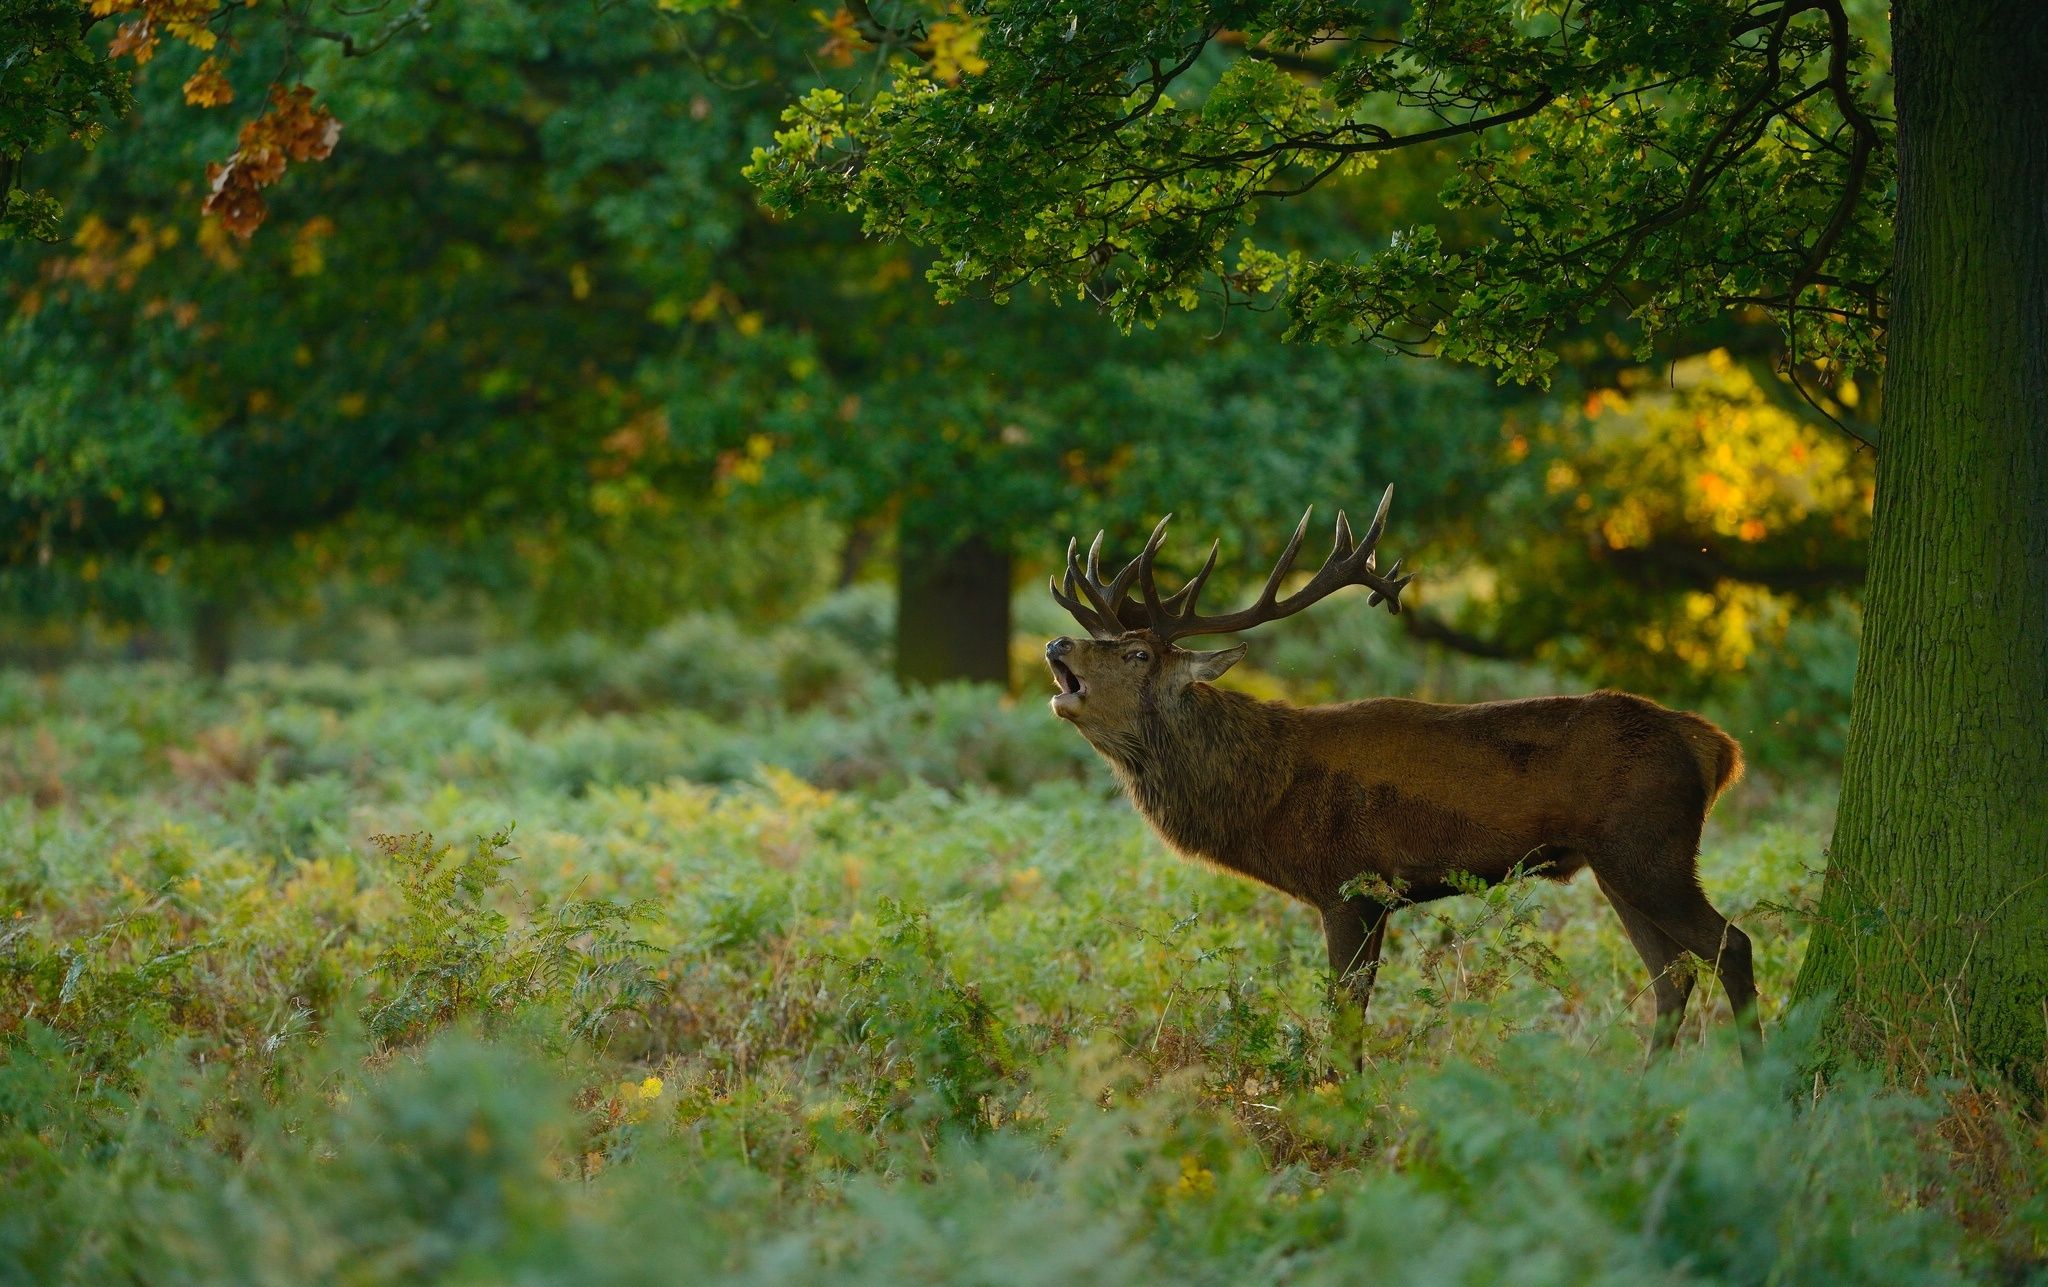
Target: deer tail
1719, 755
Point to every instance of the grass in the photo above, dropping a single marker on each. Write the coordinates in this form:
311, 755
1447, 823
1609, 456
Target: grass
885, 988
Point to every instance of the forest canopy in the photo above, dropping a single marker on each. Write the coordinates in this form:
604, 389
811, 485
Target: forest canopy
351, 399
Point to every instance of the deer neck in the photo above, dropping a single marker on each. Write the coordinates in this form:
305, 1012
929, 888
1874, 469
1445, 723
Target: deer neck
1205, 766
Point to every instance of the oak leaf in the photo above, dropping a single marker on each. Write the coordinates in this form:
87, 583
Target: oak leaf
208, 87
292, 128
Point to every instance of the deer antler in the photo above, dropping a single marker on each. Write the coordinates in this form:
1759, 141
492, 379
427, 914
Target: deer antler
1109, 609
1108, 606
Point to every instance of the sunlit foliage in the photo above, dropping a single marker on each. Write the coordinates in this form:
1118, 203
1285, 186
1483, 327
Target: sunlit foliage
1688, 516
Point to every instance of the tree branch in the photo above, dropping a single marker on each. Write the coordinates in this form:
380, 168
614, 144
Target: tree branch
1669, 562
1859, 157
350, 47
1434, 629
1281, 58
875, 32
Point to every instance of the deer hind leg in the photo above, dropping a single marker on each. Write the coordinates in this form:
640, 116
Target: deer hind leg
1660, 953
1668, 893
1713, 938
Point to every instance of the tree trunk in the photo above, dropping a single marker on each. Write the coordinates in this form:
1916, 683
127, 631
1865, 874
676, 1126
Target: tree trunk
213, 637
1933, 928
853, 554
952, 609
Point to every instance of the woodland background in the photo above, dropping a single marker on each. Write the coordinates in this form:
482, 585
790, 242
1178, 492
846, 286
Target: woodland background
503, 470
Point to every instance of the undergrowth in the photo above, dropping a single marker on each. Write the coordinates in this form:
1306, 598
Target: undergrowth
754, 997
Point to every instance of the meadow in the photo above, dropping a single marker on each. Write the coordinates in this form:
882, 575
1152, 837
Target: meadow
721, 958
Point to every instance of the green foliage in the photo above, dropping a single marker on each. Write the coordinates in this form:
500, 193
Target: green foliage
911, 1014
887, 1034
701, 662
648, 395
108, 991
59, 86
451, 956
604, 380
1482, 949
1795, 706
579, 715
1681, 159
342, 367
1698, 1206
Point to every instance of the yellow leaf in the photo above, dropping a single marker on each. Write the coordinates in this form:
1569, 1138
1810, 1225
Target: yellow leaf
842, 38
708, 305
954, 50
308, 257
196, 34
208, 87
1196, 1180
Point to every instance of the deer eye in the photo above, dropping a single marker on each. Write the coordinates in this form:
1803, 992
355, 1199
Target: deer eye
1137, 654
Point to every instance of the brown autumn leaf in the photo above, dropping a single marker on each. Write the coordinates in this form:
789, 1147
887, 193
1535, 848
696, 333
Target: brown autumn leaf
234, 198
134, 39
189, 21
306, 132
292, 128
842, 38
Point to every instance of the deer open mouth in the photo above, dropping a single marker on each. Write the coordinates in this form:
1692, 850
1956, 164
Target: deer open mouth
1070, 684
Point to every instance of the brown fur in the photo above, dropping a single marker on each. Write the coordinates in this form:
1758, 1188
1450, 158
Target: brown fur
1306, 800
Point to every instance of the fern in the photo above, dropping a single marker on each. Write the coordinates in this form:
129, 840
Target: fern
451, 955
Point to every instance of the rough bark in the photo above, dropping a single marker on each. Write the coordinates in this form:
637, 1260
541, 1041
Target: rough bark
1933, 929
952, 610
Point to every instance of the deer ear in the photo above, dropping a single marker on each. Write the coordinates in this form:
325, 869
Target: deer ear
1206, 666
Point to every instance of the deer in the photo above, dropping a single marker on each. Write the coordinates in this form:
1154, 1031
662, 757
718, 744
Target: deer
1333, 804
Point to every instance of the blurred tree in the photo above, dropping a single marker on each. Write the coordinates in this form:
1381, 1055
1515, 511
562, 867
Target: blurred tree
248, 415
437, 419
972, 429
1676, 161
1663, 531
531, 327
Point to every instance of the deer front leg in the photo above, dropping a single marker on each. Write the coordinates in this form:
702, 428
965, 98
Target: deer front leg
1354, 931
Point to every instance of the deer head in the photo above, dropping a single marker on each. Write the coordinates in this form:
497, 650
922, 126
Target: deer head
1131, 665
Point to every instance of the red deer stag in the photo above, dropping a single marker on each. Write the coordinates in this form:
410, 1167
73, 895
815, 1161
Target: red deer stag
1307, 800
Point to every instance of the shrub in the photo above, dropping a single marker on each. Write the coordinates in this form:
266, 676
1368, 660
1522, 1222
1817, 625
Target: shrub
702, 663
581, 667
863, 617
910, 1015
